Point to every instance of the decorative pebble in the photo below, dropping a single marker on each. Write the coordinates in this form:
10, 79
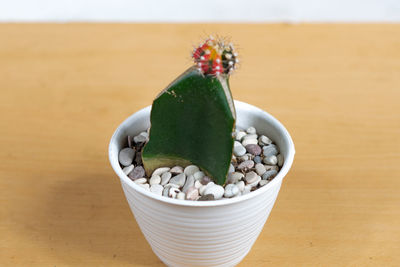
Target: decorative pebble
145, 186
263, 182
137, 172
249, 136
270, 150
257, 159
247, 142
254, 149
125, 156
251, 177
176, 170
216, 190
271, 167
251, 130
206, 197
198, 175
157, 189
280, 160
234, 177
181, 195
244, 158
202, 189
188, 184
255, 183
231, 168
191, 169
260, 169
173, 192
246, 190
165, 177
155, 179
141, 180
269, 174
248, 164
240, 185
192, 193
240, 135
178, 180
205, 180
263, 140
127, 170
160, 171
197, 184
141, 138
238, 149
231, 190
270, 160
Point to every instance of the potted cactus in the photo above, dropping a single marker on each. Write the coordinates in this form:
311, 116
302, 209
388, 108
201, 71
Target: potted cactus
195, 143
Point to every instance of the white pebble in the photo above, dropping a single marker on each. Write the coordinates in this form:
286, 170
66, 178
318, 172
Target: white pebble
240, 185
271, 167
234, 177
165, 177
125, 156
263, 140
142, 137
250, 136
191, 169
157, 189
238, 149
145, 186
155, 179
269, 174
178, 180
231, 168
260, 169
240, 135
280, 160
188, 184
173, 192
160, 171
255, 183
198, 175
197, 184
127, 170
251, 130
251, 177
270, 150
246, 142
181, 195
216, 190
202, 189
263, 182
231, 190
141, 181
192, 193
176, 170
244, 158
270, 160
246, 190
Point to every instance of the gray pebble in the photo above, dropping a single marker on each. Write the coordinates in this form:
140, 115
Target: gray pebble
206, 197
188, 184
141, 138
248, 164
234, 177
240, 135
263, 182
155, 179
251, 130
192, 193
157, 189
165, 177
260, 169
160, 171
125, 156
270, 160
216, 190
127, 170
178, 180
270, 150
231, 190
137, 172
263, 140
257, 159
176, 170
205, 180
271, 167
280, 160
253, 149
244, 158
238, 149
268, 175
251, 177
191, 169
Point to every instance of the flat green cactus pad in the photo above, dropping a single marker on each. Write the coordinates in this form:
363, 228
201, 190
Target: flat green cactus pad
191, 123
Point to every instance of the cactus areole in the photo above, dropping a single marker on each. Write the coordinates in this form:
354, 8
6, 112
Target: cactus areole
192, 120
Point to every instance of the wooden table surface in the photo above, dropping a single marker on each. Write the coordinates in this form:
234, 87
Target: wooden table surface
66, 87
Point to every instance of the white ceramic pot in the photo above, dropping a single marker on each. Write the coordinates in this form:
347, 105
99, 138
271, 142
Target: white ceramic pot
203, 233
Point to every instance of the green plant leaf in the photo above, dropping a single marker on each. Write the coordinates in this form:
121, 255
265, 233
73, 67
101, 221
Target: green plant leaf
191, 123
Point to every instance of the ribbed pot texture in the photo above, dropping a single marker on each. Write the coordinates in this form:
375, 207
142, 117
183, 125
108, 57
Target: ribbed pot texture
203, 233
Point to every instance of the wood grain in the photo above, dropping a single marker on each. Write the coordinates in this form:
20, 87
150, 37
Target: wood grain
66, 87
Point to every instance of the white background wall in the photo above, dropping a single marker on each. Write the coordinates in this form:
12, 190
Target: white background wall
197, 11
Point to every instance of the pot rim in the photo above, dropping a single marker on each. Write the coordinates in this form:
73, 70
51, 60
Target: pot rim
222, 202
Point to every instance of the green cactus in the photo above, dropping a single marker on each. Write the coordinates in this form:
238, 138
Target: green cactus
192, 120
